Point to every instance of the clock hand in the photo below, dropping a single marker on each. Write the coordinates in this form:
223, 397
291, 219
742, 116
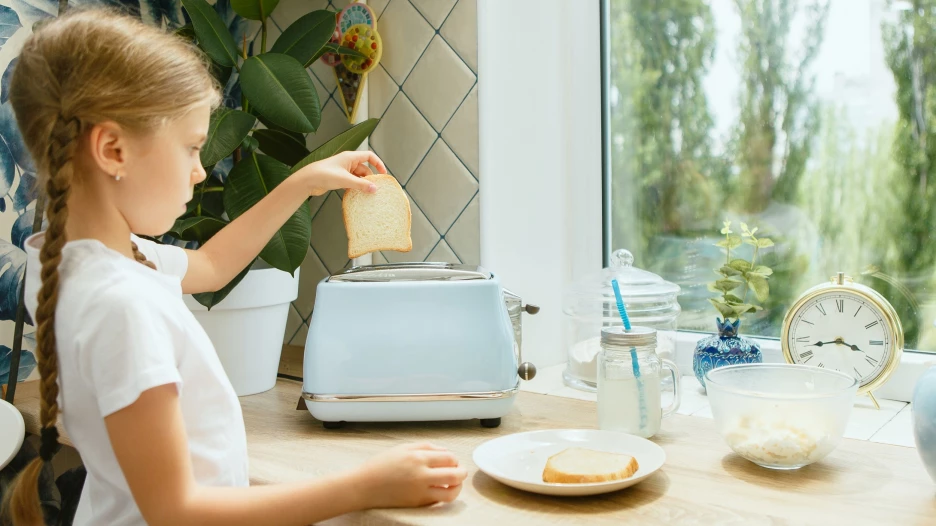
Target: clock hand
853, 347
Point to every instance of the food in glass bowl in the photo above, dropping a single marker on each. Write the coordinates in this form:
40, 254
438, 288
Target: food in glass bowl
780, 416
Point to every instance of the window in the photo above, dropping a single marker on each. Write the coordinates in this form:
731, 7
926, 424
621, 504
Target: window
813, 120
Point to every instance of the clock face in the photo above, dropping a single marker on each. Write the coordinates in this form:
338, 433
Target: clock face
842, 331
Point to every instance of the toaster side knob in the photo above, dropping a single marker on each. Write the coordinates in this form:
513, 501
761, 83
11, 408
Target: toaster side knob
527, 371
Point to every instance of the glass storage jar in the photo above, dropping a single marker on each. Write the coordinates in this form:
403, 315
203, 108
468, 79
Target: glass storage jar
589, 306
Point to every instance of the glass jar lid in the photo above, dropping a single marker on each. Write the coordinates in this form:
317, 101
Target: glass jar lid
637, 286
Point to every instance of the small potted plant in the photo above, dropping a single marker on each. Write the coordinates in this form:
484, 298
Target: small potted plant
738, 278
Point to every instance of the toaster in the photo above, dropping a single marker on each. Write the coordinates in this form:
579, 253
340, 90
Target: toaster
413, 342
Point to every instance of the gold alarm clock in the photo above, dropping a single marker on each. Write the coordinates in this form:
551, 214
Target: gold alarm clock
847, 327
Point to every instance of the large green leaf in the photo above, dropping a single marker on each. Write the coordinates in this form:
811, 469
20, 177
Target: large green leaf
344, 141
210, 299
207, 199
760, 287
200, 228
226, 131
254, 9
279, 88
282, 146
251, 180
305, 37
212, 33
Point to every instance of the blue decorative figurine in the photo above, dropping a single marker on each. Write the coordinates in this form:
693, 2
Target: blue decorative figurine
726, 348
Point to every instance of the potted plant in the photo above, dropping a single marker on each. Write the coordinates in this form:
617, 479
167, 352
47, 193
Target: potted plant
246, 319
739, 277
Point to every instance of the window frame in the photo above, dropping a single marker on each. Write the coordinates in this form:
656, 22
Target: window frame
545, 212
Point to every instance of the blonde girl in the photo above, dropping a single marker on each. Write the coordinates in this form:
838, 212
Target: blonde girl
114, 113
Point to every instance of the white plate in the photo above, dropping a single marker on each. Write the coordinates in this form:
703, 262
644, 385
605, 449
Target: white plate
11, 439
518, 460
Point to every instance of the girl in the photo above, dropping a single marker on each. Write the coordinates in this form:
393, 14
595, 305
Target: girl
114, 113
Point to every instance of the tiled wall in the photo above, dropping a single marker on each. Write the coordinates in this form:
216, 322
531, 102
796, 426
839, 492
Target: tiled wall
425, 91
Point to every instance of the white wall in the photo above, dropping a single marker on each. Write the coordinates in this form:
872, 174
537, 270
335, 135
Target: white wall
540, 153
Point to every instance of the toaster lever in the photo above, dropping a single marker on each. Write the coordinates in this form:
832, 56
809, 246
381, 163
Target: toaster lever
531, 309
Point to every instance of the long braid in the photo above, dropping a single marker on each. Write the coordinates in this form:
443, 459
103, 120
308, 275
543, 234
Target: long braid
73, 73
137, 255
24, 501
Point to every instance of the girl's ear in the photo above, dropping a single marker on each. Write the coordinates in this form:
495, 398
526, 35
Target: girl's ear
107, 144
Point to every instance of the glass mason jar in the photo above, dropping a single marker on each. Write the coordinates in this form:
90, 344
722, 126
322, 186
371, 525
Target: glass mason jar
590, 305
629, 380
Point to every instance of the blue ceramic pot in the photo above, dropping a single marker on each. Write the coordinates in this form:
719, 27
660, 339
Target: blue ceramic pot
924, 420
727, 348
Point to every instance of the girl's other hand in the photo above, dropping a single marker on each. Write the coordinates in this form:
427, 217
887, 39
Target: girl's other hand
342, 171
409, 476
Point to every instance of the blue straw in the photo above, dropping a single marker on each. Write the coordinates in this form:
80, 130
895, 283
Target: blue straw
634, 363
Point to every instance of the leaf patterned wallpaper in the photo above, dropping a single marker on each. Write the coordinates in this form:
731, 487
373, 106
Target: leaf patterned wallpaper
425, 92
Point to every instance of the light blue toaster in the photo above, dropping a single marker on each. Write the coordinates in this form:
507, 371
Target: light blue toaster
413, 342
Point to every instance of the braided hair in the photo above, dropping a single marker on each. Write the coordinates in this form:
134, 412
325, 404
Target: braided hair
81, 69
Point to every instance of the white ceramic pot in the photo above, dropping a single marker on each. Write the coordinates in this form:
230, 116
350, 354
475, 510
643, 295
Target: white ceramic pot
247, 327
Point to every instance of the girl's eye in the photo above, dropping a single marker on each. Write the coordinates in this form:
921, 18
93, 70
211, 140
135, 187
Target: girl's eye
196, 148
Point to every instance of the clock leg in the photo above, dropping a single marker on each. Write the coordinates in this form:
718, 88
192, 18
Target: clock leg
874, 400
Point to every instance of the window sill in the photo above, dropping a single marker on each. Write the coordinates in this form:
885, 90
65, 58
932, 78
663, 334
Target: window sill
899, 387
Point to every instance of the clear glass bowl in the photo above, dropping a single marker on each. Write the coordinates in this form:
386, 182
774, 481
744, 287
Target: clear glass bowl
780, 416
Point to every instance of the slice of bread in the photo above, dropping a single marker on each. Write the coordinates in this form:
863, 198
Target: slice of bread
380, 221
581, 466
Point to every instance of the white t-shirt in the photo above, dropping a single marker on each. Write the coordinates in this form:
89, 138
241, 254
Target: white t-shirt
123, 328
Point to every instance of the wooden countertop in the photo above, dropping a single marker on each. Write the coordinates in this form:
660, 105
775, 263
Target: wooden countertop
703, 482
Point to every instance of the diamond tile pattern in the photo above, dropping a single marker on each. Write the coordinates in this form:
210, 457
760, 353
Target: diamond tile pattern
442, 174
439, 83
435, 11
329, 239
461, 133
442, 253
405, 34
378, 6
461, 32
380, 91
425, 93
402, 138
465, 235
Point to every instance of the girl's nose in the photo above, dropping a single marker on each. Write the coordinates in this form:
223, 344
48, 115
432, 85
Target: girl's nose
198, 175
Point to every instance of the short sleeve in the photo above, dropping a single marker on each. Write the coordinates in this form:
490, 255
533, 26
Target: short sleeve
169, 259
125, 347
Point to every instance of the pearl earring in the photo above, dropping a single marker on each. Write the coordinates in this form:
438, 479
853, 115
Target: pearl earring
117, 176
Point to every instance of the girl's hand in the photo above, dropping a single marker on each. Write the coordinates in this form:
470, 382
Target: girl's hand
343, 170
411, 475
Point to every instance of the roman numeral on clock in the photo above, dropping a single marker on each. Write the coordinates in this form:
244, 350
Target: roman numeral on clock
857, 374
871, 360
803, 339
821, 308
875, 342
807, 355
840, 305
820, 365
872, 324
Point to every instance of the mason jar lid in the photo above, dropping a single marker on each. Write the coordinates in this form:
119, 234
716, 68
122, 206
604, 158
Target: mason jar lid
636, 337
